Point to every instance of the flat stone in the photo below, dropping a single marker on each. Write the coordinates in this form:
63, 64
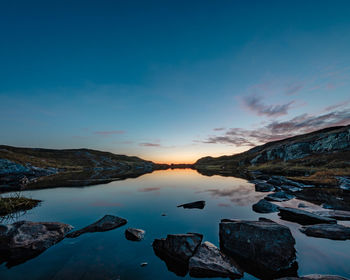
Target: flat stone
292, 189
334, 214
264, 187
264, 206
208, 261
108, 222
262, 247
303, 217
134, 234
329, 231
197, 204
24, 240
279, 196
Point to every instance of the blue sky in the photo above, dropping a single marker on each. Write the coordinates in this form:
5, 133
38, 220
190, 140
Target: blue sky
171, 81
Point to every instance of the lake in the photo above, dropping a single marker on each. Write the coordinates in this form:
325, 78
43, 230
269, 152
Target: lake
142, 201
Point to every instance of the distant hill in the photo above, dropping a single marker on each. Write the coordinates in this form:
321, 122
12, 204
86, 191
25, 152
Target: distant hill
313, 157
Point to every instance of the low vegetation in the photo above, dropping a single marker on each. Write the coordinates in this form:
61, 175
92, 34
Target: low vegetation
16, 203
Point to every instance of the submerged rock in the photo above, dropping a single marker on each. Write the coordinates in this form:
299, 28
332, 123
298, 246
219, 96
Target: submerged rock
262, 247
197, 204
208, 261
303, 217
134, 234
279, 196
24, 240
264, 206
329, 231
108, 222
264, 187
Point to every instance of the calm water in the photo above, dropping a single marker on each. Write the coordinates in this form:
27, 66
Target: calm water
108, 255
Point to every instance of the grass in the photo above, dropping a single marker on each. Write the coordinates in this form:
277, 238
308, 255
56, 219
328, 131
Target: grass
17, 203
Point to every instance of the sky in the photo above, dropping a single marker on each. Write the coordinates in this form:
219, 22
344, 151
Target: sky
171, 81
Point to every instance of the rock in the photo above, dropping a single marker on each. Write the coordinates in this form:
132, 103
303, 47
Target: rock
24, 240
197, 204
334, 214
262, 247
344, 182
108, 222
315, 277
179, 247
264, 187
329, 231
292, 189
134, 234
302, 205
143, 264
275, 181
163, 214
264, 206
303, 217
279, 196
208, 261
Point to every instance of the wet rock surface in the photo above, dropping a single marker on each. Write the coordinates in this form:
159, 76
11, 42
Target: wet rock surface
108, 222
197, 204
261, 247
279, 196
208, 261
303, 217
264, 206
334, 214
329, 231
264, 187
134, 234
24, 240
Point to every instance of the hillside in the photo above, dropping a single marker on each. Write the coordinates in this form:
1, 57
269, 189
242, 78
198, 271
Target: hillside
316, 157
39, 168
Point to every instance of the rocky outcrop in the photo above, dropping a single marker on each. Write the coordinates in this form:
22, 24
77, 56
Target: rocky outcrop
261, 247
329, 231
303, 217
264, 206
134, 234
108, 222
208, 261
197, 204
24, 240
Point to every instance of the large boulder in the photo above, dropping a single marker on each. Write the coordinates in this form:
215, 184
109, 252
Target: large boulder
108, 222
329, 231
197, 204
264, 206
208, 261
23, 240
303, 217
262, 247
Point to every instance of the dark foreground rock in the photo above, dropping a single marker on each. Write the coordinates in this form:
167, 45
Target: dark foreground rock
264, 206
263, 248
334, 214
329, 231
134, 234
24, 240
303, 217
176, 250
264, 187
197, 204
108, 222
279, 196
208, 261
315, 277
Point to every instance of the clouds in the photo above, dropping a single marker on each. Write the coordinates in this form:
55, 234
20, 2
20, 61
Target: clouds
277, 130
148, 144
255, 104
109, 132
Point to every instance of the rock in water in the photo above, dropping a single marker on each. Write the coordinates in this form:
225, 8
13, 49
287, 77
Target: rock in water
208, 261
262, 247
197, 204
329, 231
134, 234
315, 277
264, 206
334, 214
180, 247
24, 240
303, 217
108, 222
264, 187
279, 196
